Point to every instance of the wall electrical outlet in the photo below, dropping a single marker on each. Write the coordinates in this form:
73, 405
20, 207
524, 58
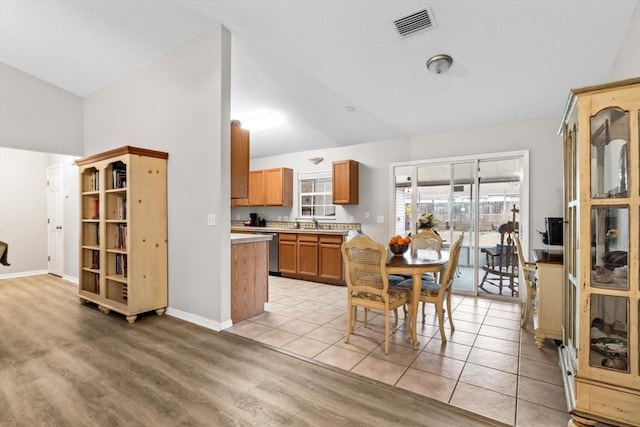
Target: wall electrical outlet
366, 214
350, 218
380, 219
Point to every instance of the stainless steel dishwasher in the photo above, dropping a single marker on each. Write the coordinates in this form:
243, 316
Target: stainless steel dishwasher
274, 266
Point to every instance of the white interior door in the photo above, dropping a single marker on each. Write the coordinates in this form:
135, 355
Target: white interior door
55, 199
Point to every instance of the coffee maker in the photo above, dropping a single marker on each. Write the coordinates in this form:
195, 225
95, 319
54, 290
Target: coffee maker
255, 221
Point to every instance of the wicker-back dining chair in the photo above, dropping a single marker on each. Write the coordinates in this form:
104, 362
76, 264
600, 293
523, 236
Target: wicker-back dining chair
367, 283
437, 293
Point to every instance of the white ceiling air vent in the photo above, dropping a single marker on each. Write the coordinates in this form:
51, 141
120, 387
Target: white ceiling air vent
417, 21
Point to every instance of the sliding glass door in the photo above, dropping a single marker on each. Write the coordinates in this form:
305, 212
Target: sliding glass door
468, 197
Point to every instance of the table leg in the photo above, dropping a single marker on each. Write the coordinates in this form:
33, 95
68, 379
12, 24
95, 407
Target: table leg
415, 300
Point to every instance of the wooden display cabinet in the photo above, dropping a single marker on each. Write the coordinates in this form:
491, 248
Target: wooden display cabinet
345, 182
600, 352
123, 231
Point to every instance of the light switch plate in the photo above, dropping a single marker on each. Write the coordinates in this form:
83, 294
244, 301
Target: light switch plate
211, 219
366, 214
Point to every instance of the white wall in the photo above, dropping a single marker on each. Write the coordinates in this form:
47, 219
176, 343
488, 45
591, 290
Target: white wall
37, 116
180, 103
538, 136
627, 63
23, 210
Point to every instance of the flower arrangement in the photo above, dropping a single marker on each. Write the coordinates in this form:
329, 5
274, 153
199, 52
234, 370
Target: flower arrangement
427, 221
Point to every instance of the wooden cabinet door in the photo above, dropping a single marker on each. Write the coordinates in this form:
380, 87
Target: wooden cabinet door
344, 182
278, 187
239, 163
308, 254
288, 254
256, 188
330, 258
239, 202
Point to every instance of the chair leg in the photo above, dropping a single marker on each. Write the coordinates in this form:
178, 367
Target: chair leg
352, 315
453, 328
484, 278
527, 310
386, 332
440, 310
364, 321
395, 322
424, 314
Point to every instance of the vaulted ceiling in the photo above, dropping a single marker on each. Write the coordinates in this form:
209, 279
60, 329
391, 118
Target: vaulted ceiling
338, 72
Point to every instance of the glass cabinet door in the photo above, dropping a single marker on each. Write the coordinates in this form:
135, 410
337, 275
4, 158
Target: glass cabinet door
609, 326
610, 247
609, 154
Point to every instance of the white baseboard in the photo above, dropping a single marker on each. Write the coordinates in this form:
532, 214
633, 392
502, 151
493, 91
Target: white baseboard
199, 320
23, 274
70, 279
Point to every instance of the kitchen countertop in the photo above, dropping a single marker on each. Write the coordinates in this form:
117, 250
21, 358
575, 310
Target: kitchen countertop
290, 230
237, 238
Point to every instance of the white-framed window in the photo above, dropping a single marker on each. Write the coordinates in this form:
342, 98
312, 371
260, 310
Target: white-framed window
314, 195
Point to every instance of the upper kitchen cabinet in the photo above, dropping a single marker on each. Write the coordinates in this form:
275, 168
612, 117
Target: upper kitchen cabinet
269, 187
239, 163
345, 182
256, 188
278, 186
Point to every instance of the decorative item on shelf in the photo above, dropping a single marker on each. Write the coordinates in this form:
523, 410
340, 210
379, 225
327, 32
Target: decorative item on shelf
398, 245
609, 238
236, 123
427, 221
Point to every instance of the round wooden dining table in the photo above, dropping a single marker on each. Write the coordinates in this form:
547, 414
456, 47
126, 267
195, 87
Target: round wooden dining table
416, 263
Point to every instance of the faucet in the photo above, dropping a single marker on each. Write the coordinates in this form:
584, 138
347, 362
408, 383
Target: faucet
315, 222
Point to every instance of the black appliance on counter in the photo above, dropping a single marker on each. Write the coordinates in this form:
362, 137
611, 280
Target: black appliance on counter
257, 221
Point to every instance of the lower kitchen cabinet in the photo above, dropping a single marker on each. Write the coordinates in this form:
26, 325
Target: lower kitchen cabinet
330, 258
314, 257
308, 255
288, 257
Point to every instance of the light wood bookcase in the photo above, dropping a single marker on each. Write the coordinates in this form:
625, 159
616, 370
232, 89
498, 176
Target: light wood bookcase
123, 231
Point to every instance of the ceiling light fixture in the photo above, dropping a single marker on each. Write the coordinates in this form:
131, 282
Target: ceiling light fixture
262, 122
439, 63
316, 160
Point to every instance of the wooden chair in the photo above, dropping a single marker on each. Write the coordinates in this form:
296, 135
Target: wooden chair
367, 284
502, 262
4, 252
435, 293
529, 273
426, 239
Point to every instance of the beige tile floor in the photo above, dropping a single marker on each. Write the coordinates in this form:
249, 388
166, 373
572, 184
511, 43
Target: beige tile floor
489, 365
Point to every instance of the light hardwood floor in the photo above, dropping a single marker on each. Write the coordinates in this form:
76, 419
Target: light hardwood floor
63, 363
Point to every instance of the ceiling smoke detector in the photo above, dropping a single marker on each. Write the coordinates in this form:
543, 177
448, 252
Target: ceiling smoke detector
417, 21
